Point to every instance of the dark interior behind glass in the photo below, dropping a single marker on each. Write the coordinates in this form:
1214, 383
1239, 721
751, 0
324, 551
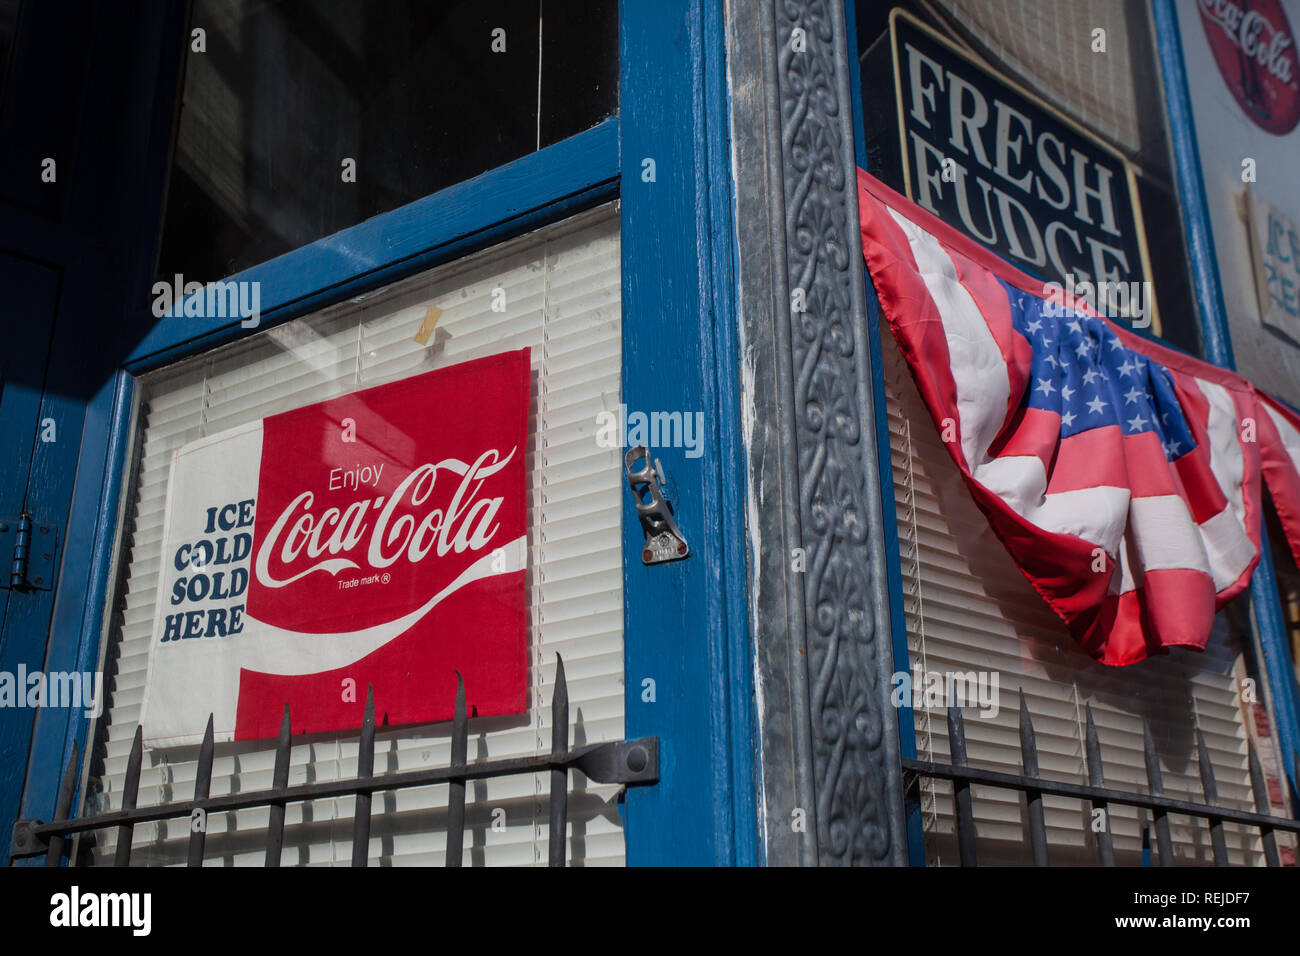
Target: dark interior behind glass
413, 91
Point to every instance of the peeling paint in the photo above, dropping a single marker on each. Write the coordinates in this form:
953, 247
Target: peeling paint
754, 487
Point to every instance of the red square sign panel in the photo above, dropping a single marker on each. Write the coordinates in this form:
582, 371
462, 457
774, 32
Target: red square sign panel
377, 538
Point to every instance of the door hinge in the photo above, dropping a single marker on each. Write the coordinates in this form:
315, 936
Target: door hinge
31, 547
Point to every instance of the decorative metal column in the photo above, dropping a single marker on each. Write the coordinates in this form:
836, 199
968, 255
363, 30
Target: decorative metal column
831, 773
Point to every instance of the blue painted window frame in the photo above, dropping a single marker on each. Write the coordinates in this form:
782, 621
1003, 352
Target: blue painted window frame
686, 624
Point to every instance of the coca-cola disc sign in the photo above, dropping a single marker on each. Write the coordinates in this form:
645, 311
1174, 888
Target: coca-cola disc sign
1255, 49
375, 539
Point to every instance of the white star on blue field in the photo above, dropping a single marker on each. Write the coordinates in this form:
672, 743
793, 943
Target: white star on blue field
1082, 371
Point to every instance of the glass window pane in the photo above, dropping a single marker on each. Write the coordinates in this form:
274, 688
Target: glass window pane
8, 26
300, 118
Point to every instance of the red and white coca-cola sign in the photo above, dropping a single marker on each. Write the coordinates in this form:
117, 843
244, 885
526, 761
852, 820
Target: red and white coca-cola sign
373, 539
1255, 50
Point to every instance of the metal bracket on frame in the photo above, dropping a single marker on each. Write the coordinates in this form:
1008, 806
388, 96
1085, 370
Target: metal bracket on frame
664, 541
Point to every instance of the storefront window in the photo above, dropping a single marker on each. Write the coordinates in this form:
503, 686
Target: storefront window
1026, 129
556, 293
301, 118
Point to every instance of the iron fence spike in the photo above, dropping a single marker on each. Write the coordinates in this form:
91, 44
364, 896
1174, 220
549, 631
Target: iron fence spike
202, 788
460, 725
279, 781
961, 789
130, 793
1096, 775
1208, 783
1028, 739
63, 808
456, 790
957, 728
1155, 782
1156, 785
560, 709
1093, 746
1262, 804
559, 796
1210, 790
1033, 796
365, 770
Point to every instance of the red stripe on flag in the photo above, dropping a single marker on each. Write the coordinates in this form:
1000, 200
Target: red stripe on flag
1169, 608
1058, 566
1201, 489
1280, 471
1106, 457
1031, 432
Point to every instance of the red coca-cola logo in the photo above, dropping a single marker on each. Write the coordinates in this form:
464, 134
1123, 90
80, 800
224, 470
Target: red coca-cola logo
371, 504
1255, 49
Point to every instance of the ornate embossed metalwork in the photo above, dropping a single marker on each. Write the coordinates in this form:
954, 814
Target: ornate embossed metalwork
846, 637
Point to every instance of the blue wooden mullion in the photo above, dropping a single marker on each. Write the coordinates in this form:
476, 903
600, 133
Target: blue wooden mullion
32, 295
683, 631
35, 618
1217, 341
89, 549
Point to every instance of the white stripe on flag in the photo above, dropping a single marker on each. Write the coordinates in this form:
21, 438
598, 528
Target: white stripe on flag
1165, 536
1122, 581
1095, 514
1229, 550
980, 372
1227, 544
1290, 437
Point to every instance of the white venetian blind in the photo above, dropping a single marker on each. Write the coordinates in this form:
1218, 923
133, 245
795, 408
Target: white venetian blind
561, 289
968, 608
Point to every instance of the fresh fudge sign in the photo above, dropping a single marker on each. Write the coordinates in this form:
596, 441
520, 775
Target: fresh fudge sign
1016, 175
373, 539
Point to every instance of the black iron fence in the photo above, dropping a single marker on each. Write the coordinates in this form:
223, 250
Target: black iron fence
1035, 787
632, 763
